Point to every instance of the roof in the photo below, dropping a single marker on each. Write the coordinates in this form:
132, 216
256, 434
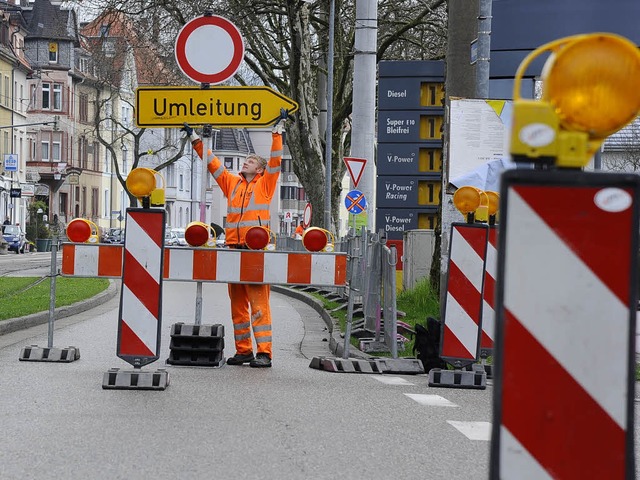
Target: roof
51, 22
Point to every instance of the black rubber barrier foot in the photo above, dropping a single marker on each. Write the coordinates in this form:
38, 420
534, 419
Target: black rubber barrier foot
476, 379
35, 353
116, 379
196, 345
406, 366
342, 365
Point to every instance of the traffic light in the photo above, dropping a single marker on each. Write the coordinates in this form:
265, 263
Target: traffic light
146, 184
589, 91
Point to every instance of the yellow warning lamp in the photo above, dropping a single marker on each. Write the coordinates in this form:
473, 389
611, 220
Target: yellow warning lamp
493, 206
147, 185
81, 230
198, 234
260, 238
589, 91
482, 212
316, 239
467, 200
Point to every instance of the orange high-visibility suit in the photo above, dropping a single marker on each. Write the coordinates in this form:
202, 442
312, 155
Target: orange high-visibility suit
247, 206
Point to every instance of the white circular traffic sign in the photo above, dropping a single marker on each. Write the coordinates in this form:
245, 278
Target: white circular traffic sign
209, 49
306, 216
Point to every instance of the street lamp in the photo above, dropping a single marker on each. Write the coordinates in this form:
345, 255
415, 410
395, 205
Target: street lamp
38, 212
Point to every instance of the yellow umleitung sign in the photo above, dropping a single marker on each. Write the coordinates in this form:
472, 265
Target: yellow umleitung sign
216, 106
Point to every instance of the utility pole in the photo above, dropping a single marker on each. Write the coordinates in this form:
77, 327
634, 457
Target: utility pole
484, 49
363, 135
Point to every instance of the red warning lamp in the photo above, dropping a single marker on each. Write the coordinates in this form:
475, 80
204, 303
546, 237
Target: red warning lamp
80, 230
257, 238
316, 239
198, 234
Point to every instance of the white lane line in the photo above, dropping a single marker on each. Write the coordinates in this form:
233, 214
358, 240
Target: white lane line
473, 430
392, 380
430, 400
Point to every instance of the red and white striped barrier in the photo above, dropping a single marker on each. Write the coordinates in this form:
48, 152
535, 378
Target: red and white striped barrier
566, 308
139, 324
462, 311
214, 265
489, 293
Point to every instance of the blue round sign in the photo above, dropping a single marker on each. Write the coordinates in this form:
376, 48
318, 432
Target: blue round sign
355, 202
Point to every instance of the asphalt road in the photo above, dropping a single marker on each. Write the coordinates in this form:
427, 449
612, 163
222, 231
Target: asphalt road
288, 422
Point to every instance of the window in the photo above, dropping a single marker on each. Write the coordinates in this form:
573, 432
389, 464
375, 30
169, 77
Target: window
286, 165
181, 182
171, 175
106, 204
62, 203
57, 96
125, 160
96, 156
95, 199
228, 163
45, 151
7, 91
53, 52
83, 106
55, 151
46, 96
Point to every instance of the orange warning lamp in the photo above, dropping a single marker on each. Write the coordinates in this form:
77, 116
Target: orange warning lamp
258, 238
198, 234
316, 239
80, 230
494, 205
589, 91
143, 183
467, 200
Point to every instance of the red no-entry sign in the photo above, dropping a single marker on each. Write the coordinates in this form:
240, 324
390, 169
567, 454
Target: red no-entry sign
209, 49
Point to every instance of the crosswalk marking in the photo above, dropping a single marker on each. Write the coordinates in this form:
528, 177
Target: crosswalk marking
430, 400
392, 380
473, 430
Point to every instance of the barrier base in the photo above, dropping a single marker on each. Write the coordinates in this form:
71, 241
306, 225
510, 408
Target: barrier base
475, 379
116, 379
344, 365
35, 353
368, 345
405, 366
196, 345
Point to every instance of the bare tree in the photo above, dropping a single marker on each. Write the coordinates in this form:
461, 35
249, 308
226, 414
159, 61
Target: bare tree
622, 149
286, 43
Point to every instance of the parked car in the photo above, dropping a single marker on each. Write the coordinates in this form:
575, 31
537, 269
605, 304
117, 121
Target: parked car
115, 235
179, 232
170, 238
15, 237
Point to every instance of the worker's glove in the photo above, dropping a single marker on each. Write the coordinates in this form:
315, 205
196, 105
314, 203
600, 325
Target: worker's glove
190, 132
278, 127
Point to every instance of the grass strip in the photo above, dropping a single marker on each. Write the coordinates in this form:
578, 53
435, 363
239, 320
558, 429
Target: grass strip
17, 300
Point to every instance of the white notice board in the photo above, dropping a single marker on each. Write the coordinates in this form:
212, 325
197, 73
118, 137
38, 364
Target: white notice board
479, 132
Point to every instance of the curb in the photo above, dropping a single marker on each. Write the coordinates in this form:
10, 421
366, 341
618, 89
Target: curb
336, 341
15, 324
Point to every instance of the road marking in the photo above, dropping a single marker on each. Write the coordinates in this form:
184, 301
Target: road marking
430, 400
473, 430
392, 380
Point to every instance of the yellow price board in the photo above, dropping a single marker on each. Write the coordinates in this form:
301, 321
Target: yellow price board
217, 106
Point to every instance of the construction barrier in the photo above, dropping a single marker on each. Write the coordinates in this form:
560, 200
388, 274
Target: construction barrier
462, 310
214, 265
566, 312
489, 293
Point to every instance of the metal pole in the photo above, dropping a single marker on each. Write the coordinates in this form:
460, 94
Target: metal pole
484, 48
328, 147
52, 296
363, 131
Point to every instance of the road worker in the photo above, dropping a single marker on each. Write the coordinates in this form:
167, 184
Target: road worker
248, 197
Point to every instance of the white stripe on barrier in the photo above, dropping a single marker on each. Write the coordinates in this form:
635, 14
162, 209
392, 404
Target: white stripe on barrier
468, 261
228, 266
181, 264
139, 319
461, 324
322, 269
566, 316
519, 464
86, 261
276, 267
143, 248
